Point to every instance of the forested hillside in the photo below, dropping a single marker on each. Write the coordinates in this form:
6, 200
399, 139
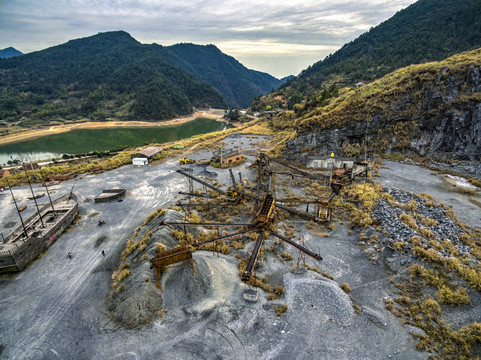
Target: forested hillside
237, 84
428, 30
106, 75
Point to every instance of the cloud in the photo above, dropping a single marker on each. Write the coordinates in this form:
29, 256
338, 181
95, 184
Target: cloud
243, 28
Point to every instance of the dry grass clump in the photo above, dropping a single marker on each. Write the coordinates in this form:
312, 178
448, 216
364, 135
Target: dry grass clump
327, 275
398, 245
411, 206
218, 246
346, 288
409, 221
289, 230
238, 244
281, 309
194, 218
434, 244
428, 222
312, 268
120, 274
140, 244
447, 295
152, 215
286, 256
373, 239
261, 283
415, 240
367, 196
182, 238
428, 234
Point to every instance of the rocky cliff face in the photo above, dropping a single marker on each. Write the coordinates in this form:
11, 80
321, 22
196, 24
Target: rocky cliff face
442, 117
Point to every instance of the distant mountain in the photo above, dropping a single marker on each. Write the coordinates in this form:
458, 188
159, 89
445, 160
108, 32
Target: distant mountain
236, 83
428, 30
287, 78
106, 75
9, 52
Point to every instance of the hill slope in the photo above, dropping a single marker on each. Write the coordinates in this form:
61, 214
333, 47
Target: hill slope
430, 109
9, 52
237, 84
109, 74
428, 30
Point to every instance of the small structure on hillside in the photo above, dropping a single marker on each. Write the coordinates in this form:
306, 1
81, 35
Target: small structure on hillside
269, 114
226, 156
140, 161
330, 163
150, 151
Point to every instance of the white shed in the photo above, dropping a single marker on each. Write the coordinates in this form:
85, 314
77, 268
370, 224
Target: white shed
140, 161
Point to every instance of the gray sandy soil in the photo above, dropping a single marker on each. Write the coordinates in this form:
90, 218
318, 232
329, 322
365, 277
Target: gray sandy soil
56, 309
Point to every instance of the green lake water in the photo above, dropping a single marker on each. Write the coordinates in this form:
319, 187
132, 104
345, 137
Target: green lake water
85, 140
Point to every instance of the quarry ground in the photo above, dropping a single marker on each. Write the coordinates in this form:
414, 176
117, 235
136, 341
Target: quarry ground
57, 308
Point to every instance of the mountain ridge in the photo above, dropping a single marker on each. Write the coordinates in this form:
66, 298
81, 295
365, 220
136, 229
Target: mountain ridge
238, 84
9, 52
428, 30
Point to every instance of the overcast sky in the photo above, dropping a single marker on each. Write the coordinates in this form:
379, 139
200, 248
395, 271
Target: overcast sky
276, 36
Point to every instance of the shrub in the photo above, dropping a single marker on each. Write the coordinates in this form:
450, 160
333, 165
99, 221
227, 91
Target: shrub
446, 295
159, 212
281, 309
409, 221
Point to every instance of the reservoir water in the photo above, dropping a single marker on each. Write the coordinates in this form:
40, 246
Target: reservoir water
85, 140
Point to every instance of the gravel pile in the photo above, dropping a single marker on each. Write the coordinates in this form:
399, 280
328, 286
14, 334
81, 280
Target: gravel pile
390, 221
315, 297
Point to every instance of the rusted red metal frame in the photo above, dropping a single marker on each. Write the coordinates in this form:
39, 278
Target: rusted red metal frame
252, 261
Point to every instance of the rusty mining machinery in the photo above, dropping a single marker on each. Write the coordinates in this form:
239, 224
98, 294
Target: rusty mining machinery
265, 215
323, 211
336, 181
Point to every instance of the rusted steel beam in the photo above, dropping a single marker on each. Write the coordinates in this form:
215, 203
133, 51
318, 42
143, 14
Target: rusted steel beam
206, 205
232, 178
200, 224
252, 261
297, 246
171, 256
192, 194
224, 237
294, 211
202, 182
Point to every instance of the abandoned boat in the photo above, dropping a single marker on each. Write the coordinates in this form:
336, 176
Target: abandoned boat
37, 233
110, 195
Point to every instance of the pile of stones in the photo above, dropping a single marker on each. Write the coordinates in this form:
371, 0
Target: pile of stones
389, 218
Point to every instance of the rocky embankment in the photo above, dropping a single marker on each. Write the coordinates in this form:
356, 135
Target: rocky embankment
436, 115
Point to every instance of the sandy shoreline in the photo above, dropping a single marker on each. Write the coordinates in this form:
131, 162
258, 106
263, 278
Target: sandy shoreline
58, 129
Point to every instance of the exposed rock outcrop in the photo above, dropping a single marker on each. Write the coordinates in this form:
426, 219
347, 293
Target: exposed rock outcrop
438, 116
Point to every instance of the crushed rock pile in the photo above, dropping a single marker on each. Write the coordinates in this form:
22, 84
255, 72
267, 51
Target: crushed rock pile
389, 217
140, 301
215, 281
